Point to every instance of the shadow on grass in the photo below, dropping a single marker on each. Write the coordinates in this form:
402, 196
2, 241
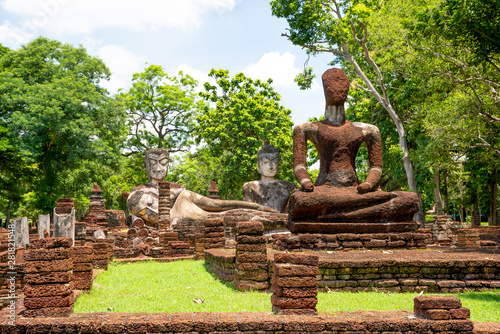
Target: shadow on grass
226, 283
490, 296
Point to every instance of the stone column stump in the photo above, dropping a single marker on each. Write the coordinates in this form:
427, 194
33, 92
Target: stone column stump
199, 246
214, 233
294, 284
43, 225
441, 230
101, 256
251, 257
48, 278
21, 232
83, 258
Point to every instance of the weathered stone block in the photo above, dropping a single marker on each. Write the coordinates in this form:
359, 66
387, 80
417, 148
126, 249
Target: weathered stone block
252, 228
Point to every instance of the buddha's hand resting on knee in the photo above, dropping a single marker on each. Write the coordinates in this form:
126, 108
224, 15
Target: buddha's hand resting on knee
364, 188
308, 186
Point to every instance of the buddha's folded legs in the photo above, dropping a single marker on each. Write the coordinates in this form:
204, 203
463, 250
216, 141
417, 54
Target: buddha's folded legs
346, 204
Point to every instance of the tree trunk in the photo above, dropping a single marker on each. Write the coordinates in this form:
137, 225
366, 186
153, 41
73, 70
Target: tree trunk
437, 193
476, 216
7, 213
410, 176
493, 200
445, 190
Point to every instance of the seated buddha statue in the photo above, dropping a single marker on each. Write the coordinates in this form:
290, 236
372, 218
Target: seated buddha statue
338, 202
268, 191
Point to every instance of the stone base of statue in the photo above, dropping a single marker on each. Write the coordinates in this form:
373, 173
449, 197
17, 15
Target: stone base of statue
351, 227
344, 210
342, 241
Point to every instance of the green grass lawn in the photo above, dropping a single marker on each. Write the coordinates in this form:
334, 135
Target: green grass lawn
171, 287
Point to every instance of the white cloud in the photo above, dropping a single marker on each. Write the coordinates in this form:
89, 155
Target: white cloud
85, 16
279, 67
12, 36
122, 64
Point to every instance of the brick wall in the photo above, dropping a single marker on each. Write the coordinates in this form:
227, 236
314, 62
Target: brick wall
241, 323
397, 275
341, 241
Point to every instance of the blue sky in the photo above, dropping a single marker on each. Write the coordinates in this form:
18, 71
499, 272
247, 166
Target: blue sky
189, 35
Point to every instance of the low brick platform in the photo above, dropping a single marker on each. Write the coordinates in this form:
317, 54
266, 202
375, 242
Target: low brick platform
263, 322
437, 271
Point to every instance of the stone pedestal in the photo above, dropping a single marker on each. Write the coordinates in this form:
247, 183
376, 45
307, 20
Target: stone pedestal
48, 278
21, 232
251, 257
294, 284
441, 230
43, 225
83, 257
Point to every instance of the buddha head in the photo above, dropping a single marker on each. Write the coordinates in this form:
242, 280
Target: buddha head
336, 86
156, 164
268, 159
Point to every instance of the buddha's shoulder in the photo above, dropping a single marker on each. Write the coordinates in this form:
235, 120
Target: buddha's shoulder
366, 128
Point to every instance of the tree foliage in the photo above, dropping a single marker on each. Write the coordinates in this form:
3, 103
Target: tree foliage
246, 113
56, 113
161, 110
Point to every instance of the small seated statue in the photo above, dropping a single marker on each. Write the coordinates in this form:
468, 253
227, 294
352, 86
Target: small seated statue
143, 199
338, 202
268, 191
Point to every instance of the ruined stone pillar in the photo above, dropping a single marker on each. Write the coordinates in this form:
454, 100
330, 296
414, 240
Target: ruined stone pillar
294, 284
48, 277
214, 233
164, 206
441, 230
199, 246
101, 254
83, 258
21, 232
43, 225
251, 257
64, 219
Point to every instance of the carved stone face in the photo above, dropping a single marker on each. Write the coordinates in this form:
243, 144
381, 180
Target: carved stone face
157, 166
268, 165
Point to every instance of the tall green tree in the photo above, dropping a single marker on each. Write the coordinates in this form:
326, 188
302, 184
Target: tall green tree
246, 113
57, 113
339, 28
161, 110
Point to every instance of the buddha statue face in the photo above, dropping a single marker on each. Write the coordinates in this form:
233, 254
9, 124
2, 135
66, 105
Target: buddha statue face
157, 164
268, 165
268, 159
